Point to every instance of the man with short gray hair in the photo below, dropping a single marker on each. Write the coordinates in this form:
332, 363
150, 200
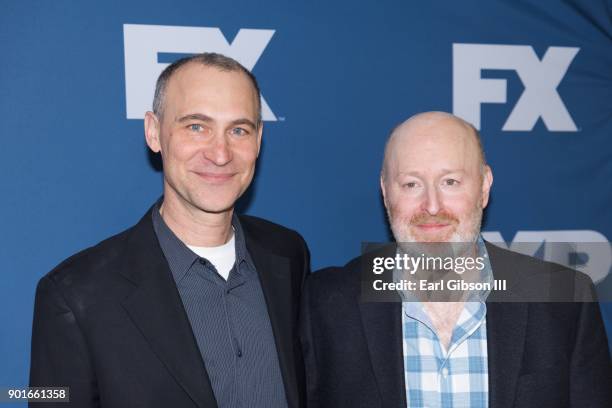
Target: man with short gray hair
194, 306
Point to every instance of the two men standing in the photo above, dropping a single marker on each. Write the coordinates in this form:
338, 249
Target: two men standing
196, 306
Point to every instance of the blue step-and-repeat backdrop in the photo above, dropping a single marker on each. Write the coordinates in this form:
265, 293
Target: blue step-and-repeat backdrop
76, 77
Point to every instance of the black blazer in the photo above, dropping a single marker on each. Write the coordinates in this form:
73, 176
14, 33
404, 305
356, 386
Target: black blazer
540, 354
109, 321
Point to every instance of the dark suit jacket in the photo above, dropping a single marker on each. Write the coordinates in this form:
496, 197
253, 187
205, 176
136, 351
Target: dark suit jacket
109, 321
540, 354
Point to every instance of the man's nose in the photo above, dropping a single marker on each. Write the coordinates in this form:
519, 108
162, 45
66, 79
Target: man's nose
431, 203
219, 151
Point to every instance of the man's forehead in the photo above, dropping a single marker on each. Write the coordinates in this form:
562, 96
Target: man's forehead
196, 71
186, 77
439, 144
433, 141
436, 129
197, 83
194, 68
420, 163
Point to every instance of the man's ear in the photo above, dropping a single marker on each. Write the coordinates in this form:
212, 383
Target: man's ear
259, 136
487, 182
152, 128
383, 189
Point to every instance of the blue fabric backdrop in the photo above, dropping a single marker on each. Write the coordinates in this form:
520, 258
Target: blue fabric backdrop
336, 77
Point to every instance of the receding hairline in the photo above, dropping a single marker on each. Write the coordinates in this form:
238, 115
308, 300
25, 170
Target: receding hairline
217, 61
430, 118
195, 65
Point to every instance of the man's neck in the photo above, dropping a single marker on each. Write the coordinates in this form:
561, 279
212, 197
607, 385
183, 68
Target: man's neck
444, 317
196, 227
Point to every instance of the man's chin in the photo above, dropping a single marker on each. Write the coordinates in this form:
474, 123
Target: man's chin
216, 209
216, 202
410, 235
214, 206
440, 244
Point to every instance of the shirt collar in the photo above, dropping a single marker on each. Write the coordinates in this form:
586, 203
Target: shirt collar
474, 309
413, 307
242, 254
180, 258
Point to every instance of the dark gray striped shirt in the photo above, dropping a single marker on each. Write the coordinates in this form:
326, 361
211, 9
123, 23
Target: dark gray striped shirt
229, 320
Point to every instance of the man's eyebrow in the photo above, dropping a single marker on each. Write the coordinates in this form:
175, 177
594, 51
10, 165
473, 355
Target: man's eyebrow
195, 116
416, 173
205, 118
244, 121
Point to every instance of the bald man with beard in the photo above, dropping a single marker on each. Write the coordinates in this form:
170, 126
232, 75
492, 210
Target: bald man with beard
505, 349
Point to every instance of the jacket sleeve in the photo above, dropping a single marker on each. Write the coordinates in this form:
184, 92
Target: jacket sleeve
306, 262
591, 370
60, 357
308, 350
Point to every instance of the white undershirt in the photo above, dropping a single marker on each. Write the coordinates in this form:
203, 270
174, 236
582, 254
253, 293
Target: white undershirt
222, 257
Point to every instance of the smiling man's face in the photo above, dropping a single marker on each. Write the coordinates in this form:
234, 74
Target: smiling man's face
434, 182
209, 137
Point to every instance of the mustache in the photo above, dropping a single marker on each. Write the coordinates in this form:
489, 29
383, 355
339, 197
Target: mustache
443, 216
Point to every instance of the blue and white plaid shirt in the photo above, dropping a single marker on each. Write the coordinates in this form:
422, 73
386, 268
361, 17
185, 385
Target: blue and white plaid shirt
440, 378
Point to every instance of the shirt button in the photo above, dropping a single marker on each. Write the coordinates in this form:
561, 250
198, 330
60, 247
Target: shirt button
445, 372
203, 261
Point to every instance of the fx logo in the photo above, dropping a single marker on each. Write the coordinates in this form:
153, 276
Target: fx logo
540, 78
142, 43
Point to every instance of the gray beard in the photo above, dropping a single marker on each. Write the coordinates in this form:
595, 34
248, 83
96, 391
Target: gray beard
458, 244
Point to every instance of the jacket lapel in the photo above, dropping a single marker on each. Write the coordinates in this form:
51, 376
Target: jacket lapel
274, 273
506, 326
156, 309
382, 325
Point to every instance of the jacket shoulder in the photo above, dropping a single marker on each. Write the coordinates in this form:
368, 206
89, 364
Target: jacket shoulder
275, 237
89, 265
539, 280
336, 279
501, 257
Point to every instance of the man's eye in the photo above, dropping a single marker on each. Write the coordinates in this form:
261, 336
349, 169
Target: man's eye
410, 184
239, 131
196, 127
451, 182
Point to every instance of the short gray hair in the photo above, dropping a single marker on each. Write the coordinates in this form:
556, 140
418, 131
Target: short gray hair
209, 59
